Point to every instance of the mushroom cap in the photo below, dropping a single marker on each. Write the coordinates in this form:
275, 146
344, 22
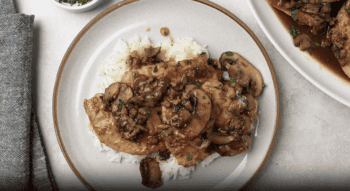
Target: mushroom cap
241, 64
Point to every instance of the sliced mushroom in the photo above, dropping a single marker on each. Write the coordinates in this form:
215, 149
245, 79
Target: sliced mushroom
252, 108
227, 59
201, 115
222, 139
256, 83
124, 94
111, 92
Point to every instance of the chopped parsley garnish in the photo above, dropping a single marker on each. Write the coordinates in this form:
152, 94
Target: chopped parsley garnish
148, 112
232, 80
167, 83
177, 108
264, 85
155, 68
189, 156
238, 96
198, 160
305, 1
121, 103
202, 54
337, 54
229, 53
178, 64
294, 14
203, 97
236, 60
317, 44
187, 61
198, 84
216, 88
294, 31
134, 75
348, 10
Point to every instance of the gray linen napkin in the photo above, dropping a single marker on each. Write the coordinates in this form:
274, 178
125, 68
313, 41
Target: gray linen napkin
23, 164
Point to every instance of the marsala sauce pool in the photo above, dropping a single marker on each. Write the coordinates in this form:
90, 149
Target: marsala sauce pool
324, 56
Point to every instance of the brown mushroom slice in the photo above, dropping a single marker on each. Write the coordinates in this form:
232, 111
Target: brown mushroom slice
111, 92
201, 115
227, 58
252, 108
185, 154
151, 173
236, 147
124, 94
222, 139
219, 97
247, 68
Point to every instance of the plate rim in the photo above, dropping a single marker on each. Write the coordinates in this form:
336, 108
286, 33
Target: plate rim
124, 3
291, 62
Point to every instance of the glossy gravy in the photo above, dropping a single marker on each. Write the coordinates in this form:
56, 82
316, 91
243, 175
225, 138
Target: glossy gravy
324, 56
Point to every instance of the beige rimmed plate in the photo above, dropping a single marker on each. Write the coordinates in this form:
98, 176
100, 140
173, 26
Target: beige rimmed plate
208, 24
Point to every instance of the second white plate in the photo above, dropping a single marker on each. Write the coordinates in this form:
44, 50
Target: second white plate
304, 64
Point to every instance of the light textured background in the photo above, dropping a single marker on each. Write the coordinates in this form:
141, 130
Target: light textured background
312, 149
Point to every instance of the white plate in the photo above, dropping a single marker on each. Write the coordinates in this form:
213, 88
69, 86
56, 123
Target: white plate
303, 63
208, 24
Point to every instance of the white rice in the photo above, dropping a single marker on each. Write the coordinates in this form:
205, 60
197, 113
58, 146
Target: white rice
112, 70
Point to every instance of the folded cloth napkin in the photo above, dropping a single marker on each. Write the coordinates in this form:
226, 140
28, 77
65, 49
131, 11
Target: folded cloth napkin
23, 164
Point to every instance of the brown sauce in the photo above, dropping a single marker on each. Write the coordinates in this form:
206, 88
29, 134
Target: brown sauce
148, 29
324, 56
164, 31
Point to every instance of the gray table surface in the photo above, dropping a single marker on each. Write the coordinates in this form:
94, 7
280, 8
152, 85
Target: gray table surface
312, 148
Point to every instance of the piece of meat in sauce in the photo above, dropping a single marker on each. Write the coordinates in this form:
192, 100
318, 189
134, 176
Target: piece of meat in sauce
340, 38
151, 173
105, 124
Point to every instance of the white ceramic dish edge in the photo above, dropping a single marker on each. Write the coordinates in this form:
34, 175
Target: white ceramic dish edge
342, 100
81, 8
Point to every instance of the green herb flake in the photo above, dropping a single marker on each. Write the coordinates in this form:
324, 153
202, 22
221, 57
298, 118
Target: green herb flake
264, 85
134, 75
348, 10
232, 80
155, 68
198, 160
293, 31
189, 156
203, 97
216, 88
121, 103
178, 64
198, 84
305, 1
187, 61
202, 54
148, 112
317, 44
229, 53
236, 60
294, 14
